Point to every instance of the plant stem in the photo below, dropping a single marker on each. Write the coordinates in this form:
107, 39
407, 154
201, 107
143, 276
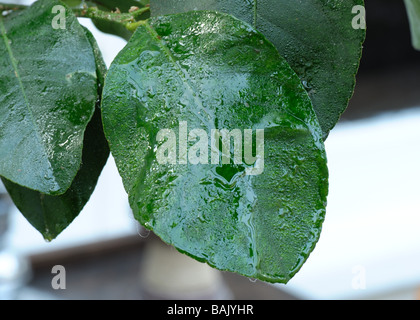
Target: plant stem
133, 26
128, 20
10, 6
137, 13
123, 18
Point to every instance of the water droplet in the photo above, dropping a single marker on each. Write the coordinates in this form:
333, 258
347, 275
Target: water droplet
281, 212
306, 85
143, 232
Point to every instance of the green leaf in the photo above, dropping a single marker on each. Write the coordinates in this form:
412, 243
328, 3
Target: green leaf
50, 215
216, 72
48, 88
413, 11
101, 68
316, 37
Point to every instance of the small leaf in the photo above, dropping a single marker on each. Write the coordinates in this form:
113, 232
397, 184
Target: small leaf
48, 91
316, 37
207, 71
413, 10
50, 215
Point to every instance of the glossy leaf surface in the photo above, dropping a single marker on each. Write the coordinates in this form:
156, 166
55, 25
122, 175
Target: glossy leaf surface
211, 71
48, 88
320, 39
50, 215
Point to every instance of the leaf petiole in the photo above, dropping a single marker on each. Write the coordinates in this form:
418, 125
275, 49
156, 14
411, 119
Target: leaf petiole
127, 19
11, 7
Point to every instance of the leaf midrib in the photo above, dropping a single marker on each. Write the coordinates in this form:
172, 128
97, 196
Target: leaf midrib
152, 32
180, 71
25, 98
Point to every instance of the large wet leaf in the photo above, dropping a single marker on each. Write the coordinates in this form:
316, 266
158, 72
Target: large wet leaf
48, 88
207, 71
316, 37
50, 215
413, 10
